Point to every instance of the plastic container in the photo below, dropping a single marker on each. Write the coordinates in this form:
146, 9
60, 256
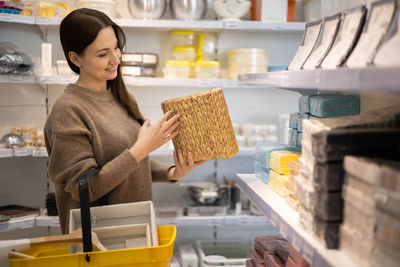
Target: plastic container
138, 70
105, 6
274, 11
182, 38
207, 69
147, 59
177, 69
246, 60
184, 53
63, 68
46, 9
208, 46
58, 254
223, 252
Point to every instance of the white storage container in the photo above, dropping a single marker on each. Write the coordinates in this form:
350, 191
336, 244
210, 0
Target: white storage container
105, 6
182, 38
119, 214
246, 60
188, 255
274, 10
139, 58
184, 53
208, 43
177, 69
138, 71
207, 69
63, 68
223, 252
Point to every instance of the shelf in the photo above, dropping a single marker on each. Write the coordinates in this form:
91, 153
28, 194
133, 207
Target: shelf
264, 26
130, 81
8, 78
16, 18
372, 79
18, 223
171, 24
52, 221
23, 152
286, 220
197, 25
169, 82
42, 152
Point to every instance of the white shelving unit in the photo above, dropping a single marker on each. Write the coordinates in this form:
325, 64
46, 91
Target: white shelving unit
23, 152
42, 152
18, 223
130, 81
370, 79
169, 24
286, 220
52, 221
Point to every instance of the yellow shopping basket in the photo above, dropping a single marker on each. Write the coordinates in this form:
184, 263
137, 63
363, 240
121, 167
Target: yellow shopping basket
57, 255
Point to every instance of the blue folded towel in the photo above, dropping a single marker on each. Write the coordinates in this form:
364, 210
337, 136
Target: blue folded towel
301, 117
325, 106
293, 118
304, 103
293, 137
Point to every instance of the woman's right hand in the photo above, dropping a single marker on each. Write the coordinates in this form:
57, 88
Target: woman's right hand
152, 137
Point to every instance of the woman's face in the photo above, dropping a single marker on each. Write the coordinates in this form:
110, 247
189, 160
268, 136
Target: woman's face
100, 60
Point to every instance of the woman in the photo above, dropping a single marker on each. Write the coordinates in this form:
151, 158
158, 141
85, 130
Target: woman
96, 123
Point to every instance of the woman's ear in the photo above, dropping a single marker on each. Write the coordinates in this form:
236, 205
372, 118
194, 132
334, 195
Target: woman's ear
74, 58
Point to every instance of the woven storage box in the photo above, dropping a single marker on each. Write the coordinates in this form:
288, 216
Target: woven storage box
205, 125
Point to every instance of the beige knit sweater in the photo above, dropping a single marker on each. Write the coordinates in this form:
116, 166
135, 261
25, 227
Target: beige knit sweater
90, 129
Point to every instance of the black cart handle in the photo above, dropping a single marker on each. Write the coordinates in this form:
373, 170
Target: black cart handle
85, 210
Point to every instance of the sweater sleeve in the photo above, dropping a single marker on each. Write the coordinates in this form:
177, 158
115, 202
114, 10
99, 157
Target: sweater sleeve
159, 171
71, 154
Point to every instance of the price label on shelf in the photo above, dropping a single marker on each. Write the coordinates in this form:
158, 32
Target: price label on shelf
6, 152
284, 229
39, 152
27, 223
6, 17
15, 77
296, 241
22, 152
274, 218
308, 252
231, 24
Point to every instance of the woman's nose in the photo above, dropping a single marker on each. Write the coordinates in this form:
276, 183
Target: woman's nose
116, 57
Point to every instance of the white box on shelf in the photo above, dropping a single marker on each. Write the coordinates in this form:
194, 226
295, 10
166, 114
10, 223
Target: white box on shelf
46, 59
119, 214
274, 10
63, 68
188, 255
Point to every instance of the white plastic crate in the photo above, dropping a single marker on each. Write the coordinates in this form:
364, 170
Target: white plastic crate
223, 252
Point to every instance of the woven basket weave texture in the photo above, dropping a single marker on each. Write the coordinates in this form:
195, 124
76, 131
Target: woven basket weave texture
205, 125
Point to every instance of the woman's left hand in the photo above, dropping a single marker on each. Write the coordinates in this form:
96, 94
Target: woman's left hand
181, 167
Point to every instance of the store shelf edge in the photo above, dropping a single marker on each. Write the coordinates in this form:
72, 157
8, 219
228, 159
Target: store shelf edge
286, 221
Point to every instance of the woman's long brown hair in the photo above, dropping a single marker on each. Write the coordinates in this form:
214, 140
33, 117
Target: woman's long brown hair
77, 31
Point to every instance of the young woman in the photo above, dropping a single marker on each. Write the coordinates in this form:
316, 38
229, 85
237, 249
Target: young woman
96, 123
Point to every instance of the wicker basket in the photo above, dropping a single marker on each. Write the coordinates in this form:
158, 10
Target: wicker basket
205, 126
